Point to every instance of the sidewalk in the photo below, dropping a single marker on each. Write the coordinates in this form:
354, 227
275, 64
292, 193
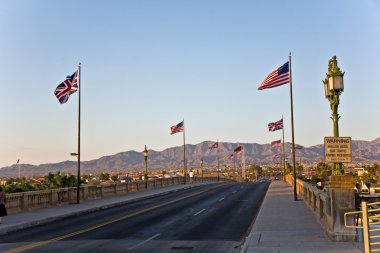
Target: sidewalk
24, 220
287, 226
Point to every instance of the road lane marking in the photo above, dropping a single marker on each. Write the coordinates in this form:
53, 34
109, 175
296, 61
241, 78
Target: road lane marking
234, 192
145, 241
221, 199
200, 212
59, 238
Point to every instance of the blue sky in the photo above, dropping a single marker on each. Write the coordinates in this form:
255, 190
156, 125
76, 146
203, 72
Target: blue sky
146, 65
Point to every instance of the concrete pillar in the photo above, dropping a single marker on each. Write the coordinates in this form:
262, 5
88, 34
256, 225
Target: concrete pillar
340, 199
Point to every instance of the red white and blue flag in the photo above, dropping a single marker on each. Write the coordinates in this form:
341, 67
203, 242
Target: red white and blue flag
67, 87
278, 77
177, 128
215, 145
238, 150
230, 156
275, 144
276, 126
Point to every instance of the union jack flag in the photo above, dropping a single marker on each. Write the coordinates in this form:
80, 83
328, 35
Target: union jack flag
238, 150
177, 128
276, 126
215, 145
278, 77
67, 87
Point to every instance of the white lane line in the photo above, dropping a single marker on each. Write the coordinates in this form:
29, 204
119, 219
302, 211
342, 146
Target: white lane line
147, 240
200, 212
234, 192
221, 199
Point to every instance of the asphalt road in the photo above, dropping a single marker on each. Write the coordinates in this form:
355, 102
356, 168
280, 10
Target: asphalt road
211, 218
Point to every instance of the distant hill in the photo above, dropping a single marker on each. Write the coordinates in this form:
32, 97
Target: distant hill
171, 158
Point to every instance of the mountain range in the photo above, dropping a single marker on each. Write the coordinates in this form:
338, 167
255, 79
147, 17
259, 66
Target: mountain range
363, 152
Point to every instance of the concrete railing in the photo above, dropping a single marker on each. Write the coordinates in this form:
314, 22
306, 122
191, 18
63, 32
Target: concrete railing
326, 208
28, 201
314, 198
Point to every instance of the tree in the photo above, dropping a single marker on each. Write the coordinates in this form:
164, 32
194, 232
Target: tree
323, 171
255, 171
104, 177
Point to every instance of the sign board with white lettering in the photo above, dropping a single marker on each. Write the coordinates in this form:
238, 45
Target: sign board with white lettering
338, 149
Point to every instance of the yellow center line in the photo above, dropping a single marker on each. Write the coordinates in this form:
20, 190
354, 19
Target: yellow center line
38, 244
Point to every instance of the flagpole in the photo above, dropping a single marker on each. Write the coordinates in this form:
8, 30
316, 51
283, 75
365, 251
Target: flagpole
234, 164
293, 150
19, 171
217, 153
243, 169
79, 91
184, 153
283, 147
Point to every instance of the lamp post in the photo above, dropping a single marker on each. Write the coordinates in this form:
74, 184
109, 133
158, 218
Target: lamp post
146, 167
333, 85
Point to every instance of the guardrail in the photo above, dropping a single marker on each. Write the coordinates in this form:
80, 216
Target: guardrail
369, 219
28, 201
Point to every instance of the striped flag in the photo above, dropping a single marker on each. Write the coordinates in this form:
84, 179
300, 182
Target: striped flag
215, 145
177, 128
278, 77
230, 156
276, 125
275, 144
238, 150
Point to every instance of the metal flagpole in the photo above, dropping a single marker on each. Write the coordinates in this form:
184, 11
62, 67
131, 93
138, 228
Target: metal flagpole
217, 153
283, 147
79, 90
243, 169
19, 171
234, 164
291, 108
184, 153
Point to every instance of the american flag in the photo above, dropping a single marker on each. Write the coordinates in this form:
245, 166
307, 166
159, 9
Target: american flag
276, 126
177, 128
278, 77
215, 145
230, 156
238, 150
275, 144
66, 88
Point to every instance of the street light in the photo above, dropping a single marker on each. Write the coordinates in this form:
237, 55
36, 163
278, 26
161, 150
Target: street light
333, 85
146, 167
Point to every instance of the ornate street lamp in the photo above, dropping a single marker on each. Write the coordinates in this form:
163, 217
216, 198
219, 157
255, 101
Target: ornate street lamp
146, 167
334, 86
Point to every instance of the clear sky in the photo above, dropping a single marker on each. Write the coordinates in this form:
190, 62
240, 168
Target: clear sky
148, 64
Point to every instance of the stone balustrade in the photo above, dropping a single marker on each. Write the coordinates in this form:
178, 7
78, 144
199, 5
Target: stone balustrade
327, 206
28, 201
